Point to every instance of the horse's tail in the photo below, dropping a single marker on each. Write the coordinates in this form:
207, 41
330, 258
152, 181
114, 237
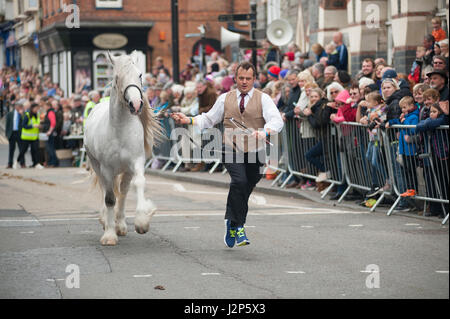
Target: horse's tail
153, 130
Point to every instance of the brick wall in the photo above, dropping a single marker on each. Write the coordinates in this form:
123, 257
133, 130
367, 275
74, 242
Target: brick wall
191, 14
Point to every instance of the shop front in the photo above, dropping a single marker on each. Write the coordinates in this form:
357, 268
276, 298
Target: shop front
76, 58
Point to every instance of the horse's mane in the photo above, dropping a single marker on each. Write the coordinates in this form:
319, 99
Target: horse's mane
153, 130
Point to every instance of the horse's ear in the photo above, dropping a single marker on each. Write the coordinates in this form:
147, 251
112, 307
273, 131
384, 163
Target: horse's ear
134, 57
110, 58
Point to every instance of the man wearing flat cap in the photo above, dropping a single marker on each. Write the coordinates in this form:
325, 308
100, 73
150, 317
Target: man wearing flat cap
439, 81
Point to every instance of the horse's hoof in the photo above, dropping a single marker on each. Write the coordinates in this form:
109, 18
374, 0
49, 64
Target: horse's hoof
141, 229
109, 240
121, 231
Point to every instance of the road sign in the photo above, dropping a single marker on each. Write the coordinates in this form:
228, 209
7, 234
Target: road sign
237, 17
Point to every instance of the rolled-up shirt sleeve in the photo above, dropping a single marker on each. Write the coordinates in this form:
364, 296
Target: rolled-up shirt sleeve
213, 116
271, 114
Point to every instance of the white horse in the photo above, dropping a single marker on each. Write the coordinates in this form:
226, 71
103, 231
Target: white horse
118, 137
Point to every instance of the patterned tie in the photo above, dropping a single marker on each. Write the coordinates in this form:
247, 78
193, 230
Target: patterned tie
241, 104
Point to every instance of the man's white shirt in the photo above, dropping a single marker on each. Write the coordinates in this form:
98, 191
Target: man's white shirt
271, 115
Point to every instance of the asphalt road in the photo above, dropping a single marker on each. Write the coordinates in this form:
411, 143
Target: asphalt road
50, 246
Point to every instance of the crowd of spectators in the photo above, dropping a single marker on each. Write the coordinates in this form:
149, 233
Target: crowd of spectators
314, 87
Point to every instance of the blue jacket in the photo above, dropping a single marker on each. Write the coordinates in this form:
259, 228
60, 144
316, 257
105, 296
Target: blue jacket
438, 138
405, 148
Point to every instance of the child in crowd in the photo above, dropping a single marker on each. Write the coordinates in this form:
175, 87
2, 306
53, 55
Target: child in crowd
375, 116
438, 151
416, 69
407, 148
438, 33
345, 110
418, 91
333, 55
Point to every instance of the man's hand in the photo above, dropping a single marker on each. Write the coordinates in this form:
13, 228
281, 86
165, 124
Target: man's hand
180, 118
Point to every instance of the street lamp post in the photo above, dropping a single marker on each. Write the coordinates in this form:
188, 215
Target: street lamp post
175, 49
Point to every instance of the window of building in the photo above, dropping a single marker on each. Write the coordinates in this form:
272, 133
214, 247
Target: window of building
108, 4
55, 64
46, 64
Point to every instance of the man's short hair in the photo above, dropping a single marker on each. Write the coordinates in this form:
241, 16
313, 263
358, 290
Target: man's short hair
319, 67
246, 66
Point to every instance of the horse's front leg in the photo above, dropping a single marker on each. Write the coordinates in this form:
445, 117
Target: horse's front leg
121, 225
109, 237
145, 208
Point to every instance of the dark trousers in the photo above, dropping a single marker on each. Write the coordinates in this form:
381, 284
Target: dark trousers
34, 151
315, 156
13, 140
244, 177
410, 171
50, 148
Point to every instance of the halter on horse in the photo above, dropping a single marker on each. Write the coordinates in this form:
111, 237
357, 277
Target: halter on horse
118, 137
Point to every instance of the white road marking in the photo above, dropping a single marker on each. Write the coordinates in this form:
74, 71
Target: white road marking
141, 276
356, 225
369, 271
81, 180
258, 200
412, 224
132, 215
27, 232
192, 227
306, 226
295, 272
442, 271
210, 274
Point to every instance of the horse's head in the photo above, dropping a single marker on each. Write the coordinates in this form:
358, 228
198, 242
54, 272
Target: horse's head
128, 81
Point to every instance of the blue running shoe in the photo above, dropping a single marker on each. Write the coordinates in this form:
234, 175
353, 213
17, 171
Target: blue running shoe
230, 234
241, 238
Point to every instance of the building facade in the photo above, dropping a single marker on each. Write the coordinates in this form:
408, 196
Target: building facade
377, 28
8, 41
76, 35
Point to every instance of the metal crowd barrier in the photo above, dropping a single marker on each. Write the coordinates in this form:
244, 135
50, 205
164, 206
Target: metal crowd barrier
297, 147
364, 160
190, 140
350, 155
422, 162
193, 145
162, 149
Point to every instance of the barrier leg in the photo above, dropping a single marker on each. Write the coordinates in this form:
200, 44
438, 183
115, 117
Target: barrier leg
177, 166
224, 171
377, 202
445, 219
214, 167
393, 206
149, 162
327, 190
166, 165
344, 194
286, 181
277, 178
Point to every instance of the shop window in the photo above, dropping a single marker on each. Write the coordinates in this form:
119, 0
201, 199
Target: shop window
108, 4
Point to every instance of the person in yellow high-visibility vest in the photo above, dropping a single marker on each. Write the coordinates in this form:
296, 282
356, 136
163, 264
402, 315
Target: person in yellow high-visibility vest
30, 135
94, 98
